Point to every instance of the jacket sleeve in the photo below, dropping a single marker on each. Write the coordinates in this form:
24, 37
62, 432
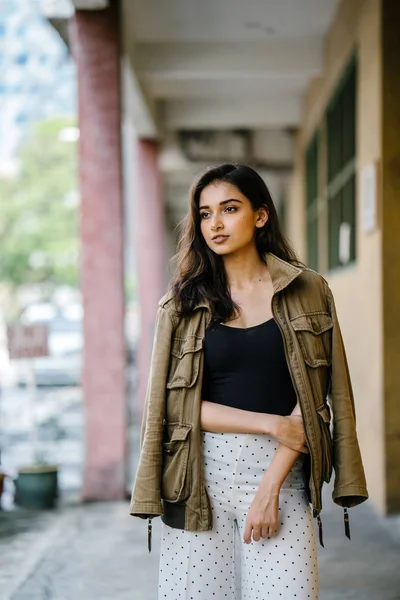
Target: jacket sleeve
146, 493
349, 485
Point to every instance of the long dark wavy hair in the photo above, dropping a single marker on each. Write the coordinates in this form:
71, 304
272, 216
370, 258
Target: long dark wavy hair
200, 273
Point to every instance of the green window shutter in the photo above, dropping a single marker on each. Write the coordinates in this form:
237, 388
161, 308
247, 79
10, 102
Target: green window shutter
312, 203
341, 146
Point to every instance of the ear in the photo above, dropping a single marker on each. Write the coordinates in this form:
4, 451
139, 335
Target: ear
262, 217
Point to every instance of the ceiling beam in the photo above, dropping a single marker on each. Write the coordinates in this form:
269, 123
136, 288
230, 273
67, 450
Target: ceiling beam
64, 9
140, 108
223, 88
244, 61
232, 113
90, 4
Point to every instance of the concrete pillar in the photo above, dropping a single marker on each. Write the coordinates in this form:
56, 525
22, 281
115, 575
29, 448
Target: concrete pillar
95, 37
150, 253
391, 244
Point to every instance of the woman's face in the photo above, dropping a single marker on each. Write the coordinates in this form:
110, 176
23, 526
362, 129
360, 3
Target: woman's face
227, 218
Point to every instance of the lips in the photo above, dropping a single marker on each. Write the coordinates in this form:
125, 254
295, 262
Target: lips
220, 238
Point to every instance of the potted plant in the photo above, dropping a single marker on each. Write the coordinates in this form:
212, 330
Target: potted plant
2, 477
36, 486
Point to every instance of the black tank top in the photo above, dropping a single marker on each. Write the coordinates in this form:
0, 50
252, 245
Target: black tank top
247, 369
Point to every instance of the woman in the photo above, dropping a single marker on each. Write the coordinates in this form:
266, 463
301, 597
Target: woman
235, 440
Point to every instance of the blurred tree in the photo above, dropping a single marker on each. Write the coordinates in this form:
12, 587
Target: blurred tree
39, 210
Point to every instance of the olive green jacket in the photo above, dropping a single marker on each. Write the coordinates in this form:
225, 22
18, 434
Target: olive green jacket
169, 479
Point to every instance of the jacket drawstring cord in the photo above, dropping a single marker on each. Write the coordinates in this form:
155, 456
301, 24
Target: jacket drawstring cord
319, 521
346, 523
149, 528
321, 541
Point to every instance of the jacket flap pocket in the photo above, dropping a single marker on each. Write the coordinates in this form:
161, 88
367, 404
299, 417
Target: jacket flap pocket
316, 323
180, 433
324, 411
182, 346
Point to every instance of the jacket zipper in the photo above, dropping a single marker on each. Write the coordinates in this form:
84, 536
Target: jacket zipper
316, 512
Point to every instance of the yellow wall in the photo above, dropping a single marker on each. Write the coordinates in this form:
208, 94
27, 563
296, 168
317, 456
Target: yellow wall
357, 288
391, 243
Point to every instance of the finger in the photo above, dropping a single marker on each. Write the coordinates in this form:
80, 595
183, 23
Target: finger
272, 530
293, 446
264, 531
256, 534
247, 533
300, 448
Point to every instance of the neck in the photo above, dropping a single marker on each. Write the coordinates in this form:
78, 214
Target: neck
245, 268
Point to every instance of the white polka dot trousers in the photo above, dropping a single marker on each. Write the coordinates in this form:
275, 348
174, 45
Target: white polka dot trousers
217, 564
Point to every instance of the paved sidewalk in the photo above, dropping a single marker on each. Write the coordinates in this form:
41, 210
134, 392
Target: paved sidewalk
367, 567
24, 536
84, 552
99, 552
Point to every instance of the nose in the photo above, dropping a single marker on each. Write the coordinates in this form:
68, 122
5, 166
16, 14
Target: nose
216, 223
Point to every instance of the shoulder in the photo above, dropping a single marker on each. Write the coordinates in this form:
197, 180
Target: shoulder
313, 277
171, 306
166, 299
168, 302
314, 283
167, 305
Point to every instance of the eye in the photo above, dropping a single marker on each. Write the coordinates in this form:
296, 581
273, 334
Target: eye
204, 213
233, 207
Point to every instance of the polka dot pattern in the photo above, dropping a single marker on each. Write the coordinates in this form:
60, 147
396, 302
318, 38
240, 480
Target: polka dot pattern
203, 565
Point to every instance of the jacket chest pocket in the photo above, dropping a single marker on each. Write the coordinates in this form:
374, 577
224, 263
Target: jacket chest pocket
314, 334
185, 361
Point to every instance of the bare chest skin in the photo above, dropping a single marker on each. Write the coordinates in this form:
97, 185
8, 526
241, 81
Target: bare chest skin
255, 305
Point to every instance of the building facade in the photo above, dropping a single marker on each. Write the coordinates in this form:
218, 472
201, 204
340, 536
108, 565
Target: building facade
37, 75
341, 214
307, 93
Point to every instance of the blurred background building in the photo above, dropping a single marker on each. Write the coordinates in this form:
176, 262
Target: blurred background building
37, 75
38, 231
306, 92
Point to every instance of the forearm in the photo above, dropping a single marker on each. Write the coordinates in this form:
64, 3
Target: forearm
279, 467
281, 463
220, 419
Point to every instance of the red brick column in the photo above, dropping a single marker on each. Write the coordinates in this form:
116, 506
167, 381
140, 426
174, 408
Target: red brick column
150, 252
95, 37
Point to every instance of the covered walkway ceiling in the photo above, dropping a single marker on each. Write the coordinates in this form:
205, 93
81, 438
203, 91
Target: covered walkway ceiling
216, 80
223, 64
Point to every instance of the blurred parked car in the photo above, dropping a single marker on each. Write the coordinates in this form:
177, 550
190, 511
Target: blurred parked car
64, 364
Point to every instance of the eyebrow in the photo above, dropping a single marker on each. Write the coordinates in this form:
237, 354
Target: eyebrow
223, 202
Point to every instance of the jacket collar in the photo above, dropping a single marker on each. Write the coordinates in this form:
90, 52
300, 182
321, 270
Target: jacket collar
282, 274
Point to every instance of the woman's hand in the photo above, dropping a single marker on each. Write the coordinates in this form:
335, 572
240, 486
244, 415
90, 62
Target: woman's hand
262, 518
290, 431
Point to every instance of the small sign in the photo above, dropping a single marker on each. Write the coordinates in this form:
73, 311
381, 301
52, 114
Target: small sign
344, 242
27, 341
368, 197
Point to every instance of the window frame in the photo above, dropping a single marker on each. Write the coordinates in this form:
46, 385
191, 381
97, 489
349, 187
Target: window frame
341, 166
312, 160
